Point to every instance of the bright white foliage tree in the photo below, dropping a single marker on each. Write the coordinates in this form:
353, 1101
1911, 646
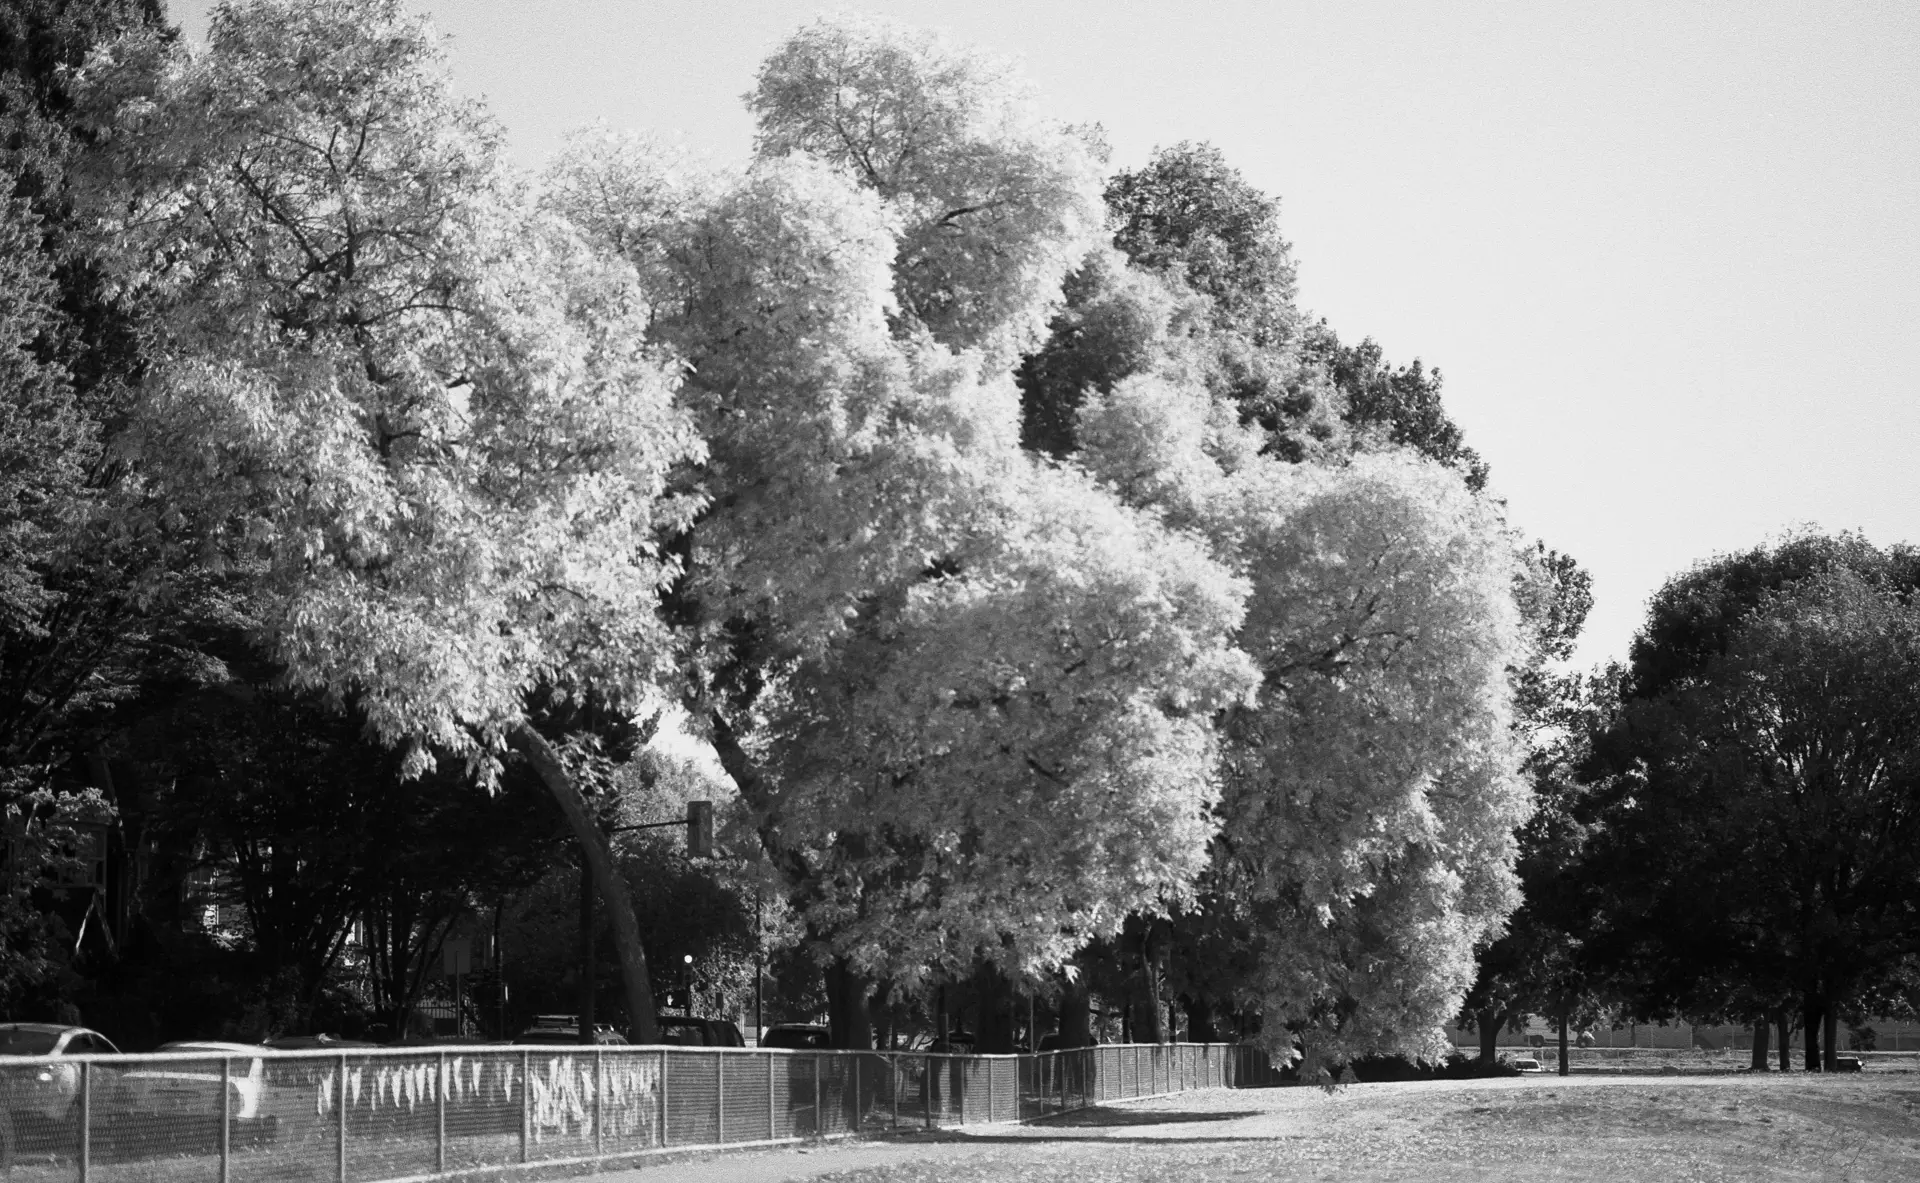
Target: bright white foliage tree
1009, 760
986, 724
1371, 792
994, 198
457, 427
421, 411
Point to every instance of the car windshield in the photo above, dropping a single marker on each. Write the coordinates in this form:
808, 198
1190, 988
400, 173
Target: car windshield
27, 1043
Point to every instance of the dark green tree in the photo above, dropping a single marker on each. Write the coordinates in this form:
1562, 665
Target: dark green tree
1760, 787
1400, 403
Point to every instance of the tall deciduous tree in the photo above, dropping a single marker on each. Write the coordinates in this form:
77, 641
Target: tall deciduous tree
1370, 793
994, 197
423, 411
925, 659
1765, 827
77, 585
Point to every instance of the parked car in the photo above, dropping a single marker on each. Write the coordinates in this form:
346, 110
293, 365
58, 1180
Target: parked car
796, 1035
38, 1100
1525, 1064
556, 1030
696, 1032
52, 1090
301, 1043
182, 1084
1848, 1063
957, 1042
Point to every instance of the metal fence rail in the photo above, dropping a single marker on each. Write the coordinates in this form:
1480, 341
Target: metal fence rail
381, 1115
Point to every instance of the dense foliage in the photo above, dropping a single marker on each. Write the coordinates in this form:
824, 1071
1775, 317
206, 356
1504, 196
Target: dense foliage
1067, 610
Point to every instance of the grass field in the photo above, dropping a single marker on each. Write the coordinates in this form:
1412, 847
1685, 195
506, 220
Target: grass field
1599, 1128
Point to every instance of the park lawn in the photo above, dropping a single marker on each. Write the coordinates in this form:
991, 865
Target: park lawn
1617, 1130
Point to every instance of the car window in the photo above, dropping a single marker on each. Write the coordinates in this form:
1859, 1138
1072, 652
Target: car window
27, 1043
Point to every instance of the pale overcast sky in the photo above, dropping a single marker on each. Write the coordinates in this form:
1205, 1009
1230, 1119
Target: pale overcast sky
1667, 255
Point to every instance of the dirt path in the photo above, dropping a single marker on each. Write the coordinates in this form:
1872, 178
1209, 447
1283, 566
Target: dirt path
1591, 1128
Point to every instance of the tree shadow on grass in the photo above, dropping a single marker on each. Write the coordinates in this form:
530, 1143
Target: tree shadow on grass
1038, 1137
1068, 1124
1102, 1116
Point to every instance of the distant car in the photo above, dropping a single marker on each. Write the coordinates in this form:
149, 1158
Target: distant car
301, 1043
1848, 1064
796, 1035
557, 1030
957, 1042
696, 1032
1525, 1064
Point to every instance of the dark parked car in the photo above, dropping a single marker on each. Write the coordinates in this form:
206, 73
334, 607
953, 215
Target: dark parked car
307, 1043
692, 1032
554, 1030
957, 1042
796, 1035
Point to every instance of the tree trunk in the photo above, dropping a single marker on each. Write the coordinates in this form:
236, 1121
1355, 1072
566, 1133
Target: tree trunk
1489, 1022
996, 1011
1076, 1016
1760, 1030
849, 1017
1829, 1049
1151, 983
1781, 1021
1199, 1020
586, 953
612, 888
1563, 1043
1810, 1027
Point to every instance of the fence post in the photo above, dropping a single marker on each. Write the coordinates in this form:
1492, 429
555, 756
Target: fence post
853, 1119
819, 1103
526, 1104
990, 1092
599, 1100
893, 1088
926, 1088
772, 1125
340, 1143
719, 1096
86, 1119
226, 1117
663, 1098
440, 1117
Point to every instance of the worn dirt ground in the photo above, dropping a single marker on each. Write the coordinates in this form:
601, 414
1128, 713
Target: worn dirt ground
1620, 1130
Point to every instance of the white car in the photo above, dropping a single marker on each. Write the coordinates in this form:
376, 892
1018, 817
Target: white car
1526, 1064
189, 1085
38, 1092
46, 1090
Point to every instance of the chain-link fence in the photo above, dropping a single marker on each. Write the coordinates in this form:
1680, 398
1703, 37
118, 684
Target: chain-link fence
368, 1116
